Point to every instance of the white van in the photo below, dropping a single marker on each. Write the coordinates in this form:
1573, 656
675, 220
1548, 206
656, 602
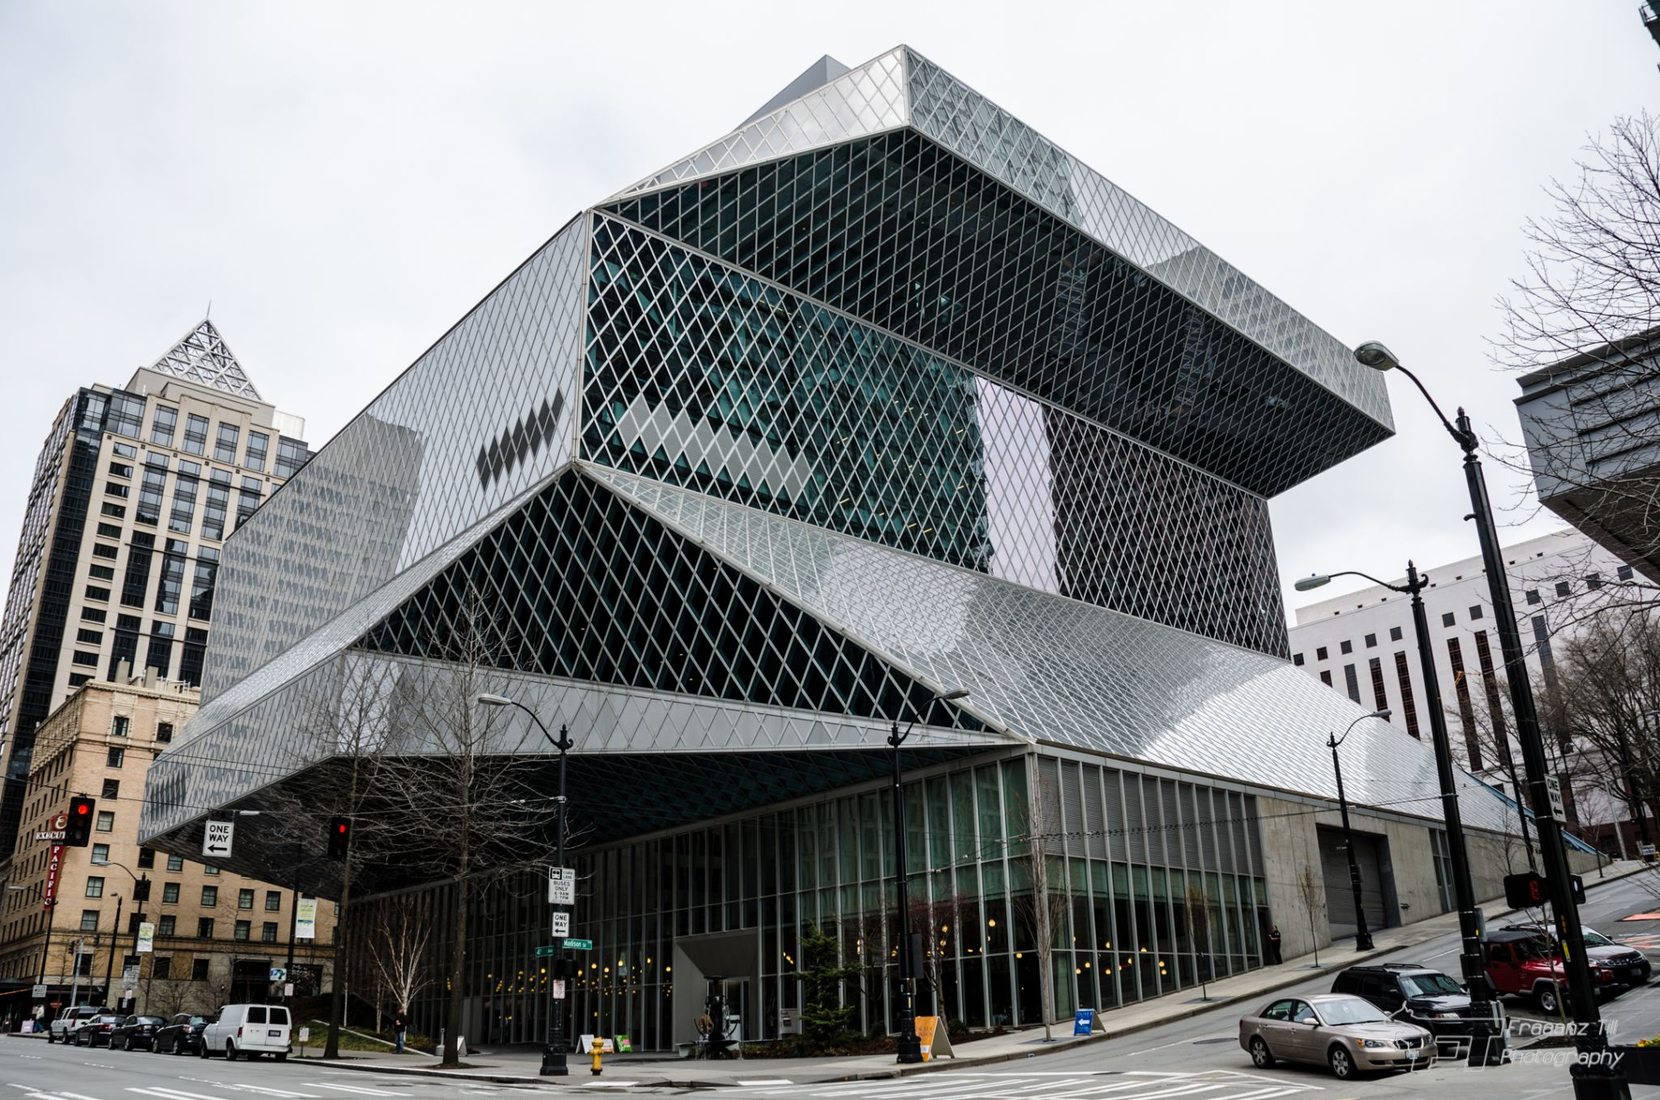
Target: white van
242, 1031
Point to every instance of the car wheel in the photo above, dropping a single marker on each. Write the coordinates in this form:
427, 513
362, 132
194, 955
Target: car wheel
1342, 1063
1546, 998
280, 1057
204, 1050
230, 1051
1260, 1054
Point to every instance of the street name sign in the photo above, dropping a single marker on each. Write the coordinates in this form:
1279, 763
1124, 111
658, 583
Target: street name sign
547, 952
216, 838
38, 993
561, 923
579, 945
561, 885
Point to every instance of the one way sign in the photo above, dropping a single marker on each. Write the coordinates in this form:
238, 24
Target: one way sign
216, 838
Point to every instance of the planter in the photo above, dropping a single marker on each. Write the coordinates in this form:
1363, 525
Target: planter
1640, 1065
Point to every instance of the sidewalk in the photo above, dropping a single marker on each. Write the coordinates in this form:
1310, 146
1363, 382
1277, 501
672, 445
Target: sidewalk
521, 1065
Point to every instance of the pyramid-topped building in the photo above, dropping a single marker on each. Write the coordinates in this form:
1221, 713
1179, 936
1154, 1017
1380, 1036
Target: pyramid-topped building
880, 397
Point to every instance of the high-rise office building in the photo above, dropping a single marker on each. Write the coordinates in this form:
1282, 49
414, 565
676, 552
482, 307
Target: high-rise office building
880, 399
134, 492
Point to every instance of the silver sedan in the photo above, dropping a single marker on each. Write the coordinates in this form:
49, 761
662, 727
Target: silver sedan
1345, 1033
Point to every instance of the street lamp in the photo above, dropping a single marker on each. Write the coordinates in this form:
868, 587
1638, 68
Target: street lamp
1363, 938
1599, 1079
908, 1044
1486, 1040
553, 1054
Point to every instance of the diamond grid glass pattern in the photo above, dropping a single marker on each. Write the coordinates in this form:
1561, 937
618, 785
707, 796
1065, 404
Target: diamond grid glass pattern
464, 432
204, 357
702, 375
904, 235
1044, 667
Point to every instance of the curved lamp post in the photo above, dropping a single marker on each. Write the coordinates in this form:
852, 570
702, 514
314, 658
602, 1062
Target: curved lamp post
907, 1043
1487, 1039
1363, 937
553, 1052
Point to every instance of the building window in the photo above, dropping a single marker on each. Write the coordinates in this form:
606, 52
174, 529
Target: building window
1371, 641
195, 434
1320, 653
167, 926
209, 869
1379, 696
115, 758
175, 863
98, 592
1623, 572
170, 893
95, 886
1593, 581
162, 967
112, 789
1346, 647
273, 901
268, 932
258, 444
106, 821
291, 455
1533, 595
89, 920
1475, 612
100, 572
115, 489
93, 614
90, 637
100, 853
146, 858
1351, 682
1394, 633
1563, 588
224, 444
1541, 642
204, 928
126, 414
164, 732
1297, 659
1448, 619
210, 896
243, 928
1408, 706
162, 427
120, 725
1325, 676
108, 553
244, 899
120, 469
82, 657
1441, 854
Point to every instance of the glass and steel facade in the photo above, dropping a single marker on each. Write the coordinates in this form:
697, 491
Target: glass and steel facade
879, 396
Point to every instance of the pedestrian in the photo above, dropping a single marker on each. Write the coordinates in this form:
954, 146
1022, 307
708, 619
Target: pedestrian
400, 1028
1274, 945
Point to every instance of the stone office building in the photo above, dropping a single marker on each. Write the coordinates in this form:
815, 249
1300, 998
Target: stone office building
879, 398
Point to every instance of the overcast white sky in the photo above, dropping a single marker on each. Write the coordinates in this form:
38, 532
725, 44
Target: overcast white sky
344, 181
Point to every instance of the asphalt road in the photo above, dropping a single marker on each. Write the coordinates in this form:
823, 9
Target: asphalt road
33, 1070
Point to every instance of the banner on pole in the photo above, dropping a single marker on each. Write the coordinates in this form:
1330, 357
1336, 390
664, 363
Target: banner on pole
305, 919
146, 938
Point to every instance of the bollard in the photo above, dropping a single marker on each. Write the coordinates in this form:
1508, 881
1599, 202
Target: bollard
598, 1049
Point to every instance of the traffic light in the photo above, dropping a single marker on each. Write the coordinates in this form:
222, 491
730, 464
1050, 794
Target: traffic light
340, 837
1526, 890
78, 832
141, 889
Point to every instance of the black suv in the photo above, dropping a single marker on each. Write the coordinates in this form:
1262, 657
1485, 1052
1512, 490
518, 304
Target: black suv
1411, 992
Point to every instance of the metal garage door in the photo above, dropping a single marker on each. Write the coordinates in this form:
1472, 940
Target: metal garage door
1334, 868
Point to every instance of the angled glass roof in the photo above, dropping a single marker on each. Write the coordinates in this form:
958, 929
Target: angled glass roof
203, 357
1042, 666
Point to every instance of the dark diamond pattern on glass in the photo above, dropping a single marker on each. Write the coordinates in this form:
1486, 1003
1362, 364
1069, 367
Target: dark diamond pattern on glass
899, 232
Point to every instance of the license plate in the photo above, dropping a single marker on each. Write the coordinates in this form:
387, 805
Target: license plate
275, 1034
1411, 1056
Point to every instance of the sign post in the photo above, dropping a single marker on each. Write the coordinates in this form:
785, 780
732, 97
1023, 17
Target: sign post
217, 837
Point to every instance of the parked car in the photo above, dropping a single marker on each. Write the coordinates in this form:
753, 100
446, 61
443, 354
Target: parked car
1630, 966
62, 1029
244, 1031
1411, 992
1524, 964
182, 1034
1346, 1033
136, 1031
96, 1031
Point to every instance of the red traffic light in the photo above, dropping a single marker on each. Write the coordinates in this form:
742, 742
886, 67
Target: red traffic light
82, 808
339, 837
77, 831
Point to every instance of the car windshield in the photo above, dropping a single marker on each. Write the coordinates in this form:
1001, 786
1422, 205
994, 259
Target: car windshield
1593, 938
1532, 949
1351, 1010
1429, 985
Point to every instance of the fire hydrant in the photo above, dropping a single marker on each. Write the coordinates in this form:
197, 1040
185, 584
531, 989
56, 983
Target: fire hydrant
598, 1049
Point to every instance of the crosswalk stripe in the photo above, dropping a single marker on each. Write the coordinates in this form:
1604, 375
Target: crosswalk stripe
356, 1089
174, 1094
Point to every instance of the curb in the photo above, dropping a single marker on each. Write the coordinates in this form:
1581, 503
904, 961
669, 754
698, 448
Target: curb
1055, 1047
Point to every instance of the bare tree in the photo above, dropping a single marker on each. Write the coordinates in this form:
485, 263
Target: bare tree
1590, 297
396, 944
463, 797
1312, 892
1043, 907
1196, 919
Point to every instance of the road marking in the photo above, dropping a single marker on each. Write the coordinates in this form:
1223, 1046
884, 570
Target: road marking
1182, 1042
355, 1089
768, 1081
173, 1094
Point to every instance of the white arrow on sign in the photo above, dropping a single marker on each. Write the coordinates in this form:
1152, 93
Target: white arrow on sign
216, 838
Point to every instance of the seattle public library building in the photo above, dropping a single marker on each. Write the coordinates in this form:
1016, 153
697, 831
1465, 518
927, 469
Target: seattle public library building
880, 398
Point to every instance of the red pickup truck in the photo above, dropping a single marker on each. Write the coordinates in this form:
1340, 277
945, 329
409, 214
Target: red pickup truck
1523, 964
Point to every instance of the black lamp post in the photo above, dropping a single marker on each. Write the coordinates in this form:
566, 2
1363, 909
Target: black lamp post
1487, 1039
1363, 937
1598, 1079
907, 1043
553, 1053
